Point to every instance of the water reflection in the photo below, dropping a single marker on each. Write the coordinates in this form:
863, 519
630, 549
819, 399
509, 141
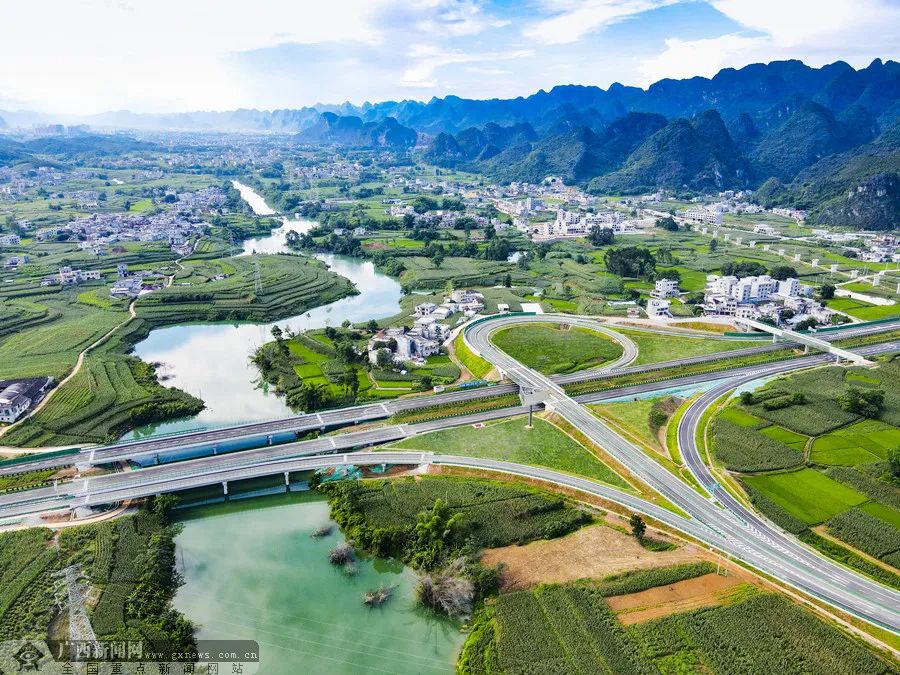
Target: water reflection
212, 360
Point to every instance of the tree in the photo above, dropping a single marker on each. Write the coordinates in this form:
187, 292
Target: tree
865, 402
747, 397
667, 223
372, 326
489, 232
893, 459
601, 236
630, 261
435, 525
669, 274
162, 504
782, 272
277, 333
742, 268
384, 358
638, 528
507, 280
714, 246
437, 259
827, 291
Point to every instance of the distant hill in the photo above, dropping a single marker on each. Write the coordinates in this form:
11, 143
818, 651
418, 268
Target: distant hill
350, 130
697, 154
858, 187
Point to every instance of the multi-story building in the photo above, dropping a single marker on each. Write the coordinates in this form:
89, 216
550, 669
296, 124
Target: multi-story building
665, 288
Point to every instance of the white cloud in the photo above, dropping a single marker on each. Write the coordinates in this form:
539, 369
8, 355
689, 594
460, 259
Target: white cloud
573, 20
855, 31
428, 58
165, 54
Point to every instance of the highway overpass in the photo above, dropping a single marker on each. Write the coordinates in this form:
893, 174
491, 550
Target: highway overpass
806, 340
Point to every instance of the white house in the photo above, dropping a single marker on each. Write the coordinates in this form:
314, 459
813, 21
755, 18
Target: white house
665, 288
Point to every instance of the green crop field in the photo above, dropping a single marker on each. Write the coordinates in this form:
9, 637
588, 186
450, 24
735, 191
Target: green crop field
552, 349
116, 557
110, 395
512, 441
570, 629
492, 513
52, 348
744, 449
807, 494
863, 310
786, 436
653, 348
858, 443
225, 289
739, 417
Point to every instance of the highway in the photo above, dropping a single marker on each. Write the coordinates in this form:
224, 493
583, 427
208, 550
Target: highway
299, 424
720, 521
752, 541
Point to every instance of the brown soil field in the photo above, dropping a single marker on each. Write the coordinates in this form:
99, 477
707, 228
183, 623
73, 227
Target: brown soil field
591, 552
705, 591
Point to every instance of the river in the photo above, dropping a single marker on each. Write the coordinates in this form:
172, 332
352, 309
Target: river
253, 571
211, 360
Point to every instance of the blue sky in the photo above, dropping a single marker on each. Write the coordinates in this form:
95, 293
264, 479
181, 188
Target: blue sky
85, 56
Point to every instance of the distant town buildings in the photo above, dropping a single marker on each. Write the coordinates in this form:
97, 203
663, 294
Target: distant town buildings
665, 288
708, 216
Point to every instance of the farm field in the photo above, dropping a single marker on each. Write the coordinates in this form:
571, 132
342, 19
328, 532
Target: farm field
863, 310
110, 394
492, 513
52, 348
225, 289
572, 628
510, 440
553, 349
115, 557
859, 443
807, 494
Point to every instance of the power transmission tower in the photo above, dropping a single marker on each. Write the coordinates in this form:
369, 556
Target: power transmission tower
71, 589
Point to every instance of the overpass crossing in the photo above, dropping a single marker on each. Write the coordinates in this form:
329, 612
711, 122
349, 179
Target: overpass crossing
806, 340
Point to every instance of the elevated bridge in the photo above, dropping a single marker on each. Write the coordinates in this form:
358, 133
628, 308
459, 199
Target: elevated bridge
806, 340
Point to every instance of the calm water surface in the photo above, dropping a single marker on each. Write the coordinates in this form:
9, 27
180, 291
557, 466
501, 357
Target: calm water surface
211, 361
252, 571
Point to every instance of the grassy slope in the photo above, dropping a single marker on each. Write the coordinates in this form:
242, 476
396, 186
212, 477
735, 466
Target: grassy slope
655, 348
543, 445
552, 350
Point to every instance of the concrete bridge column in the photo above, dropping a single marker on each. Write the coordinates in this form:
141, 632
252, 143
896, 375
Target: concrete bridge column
287, 481
269, 439
225, 487
774, 339
215, 450
92, 457
806, 349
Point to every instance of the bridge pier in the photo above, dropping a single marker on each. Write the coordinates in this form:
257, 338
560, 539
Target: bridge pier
225, 487
774, 339
269, 439
287, 481
215, 451
806, 349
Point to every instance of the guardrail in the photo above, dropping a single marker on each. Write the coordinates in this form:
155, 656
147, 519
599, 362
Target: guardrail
24, 459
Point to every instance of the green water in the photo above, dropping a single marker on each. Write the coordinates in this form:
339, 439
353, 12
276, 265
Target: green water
252, 571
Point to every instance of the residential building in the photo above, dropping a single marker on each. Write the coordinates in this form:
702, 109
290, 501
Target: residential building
10, 240
665, 288
708, 216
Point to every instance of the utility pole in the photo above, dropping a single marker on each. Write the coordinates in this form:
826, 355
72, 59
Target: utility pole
71, 590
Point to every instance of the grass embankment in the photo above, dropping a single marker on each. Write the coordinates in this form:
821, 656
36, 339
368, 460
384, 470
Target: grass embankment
572, 628
821, 463
129, 565
662, 375
511, 441
553, 349
653, 347
437, 412
477, 366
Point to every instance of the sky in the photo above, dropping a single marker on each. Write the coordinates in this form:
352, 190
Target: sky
91, 56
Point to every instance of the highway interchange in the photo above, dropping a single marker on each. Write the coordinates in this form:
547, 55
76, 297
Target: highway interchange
717, 519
